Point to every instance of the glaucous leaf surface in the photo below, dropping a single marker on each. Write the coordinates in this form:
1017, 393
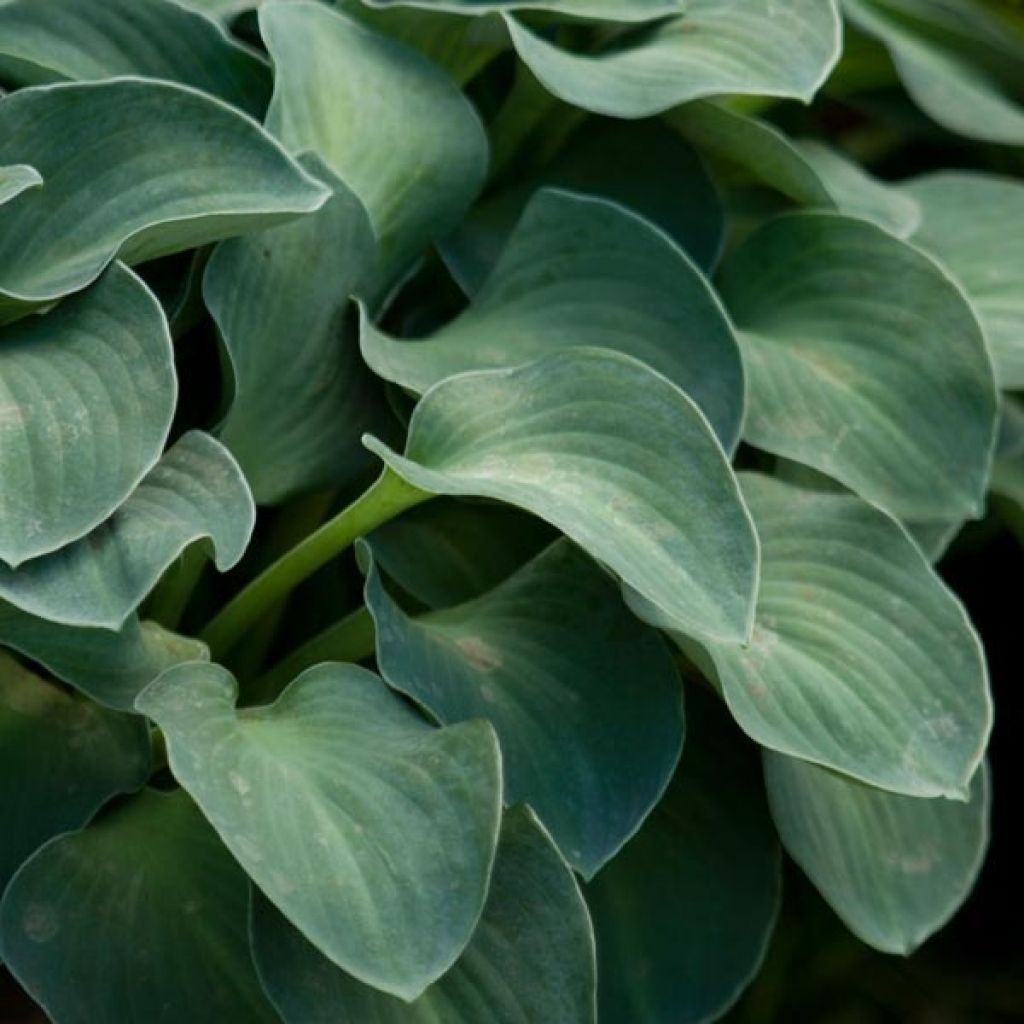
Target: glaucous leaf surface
783, 48
1008, 471
609, 10
615, 456
302, 395
196, 491
397, 129
584, 271
15, 178
865, 361
969, 226
133, 169
894, 868
373, 832
139, 918
861, 659
61, 758
82, 40
531, 957
104, 362
586, 700
684, 913
961, 65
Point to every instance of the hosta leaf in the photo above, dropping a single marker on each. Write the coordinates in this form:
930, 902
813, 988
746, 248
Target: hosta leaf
373, 832
585, 699
135, 169
61, 758
683, 915
151, 887
615, 456
86, 398
195, 491
302, 394
864, 361
584, 271
894, 868
1008, 472
861, 659
610, 10
531, 957
397, 130
765, 47
81, 40
15, 178
967, 227
962, 66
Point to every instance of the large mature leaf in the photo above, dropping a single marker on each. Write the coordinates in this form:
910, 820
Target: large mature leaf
302, 395
15, 178
894, 868
135, 169
615, 456
61, 758
396, 130
81, 40
684, 913
584, 271
195, 491
531, 957
969, 226
864, 361
861, 659
373, 832
961, 65
766, 47
585, 699
138, 919
86, 398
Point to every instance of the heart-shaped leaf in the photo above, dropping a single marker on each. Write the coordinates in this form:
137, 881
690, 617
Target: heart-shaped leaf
967, 226
302, 396
894, 868
135, 169
152, 888
615, 456
584, 271
15, 178
864, 361
585, 699
61, 758
82, 40
397, 130
373, 832
531, 957
103, 361
683, 915
780, 48
195, 491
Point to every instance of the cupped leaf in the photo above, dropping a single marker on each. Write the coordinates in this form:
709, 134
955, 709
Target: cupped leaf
15, 178
82, 40
61, 758
195, 491
969, 227
683, 915
861, 659
764, 47
962, 65
531, 957
135, 169
302, 395
396, 130
615, 456
584, 271
865, 361
894, 868
372, 832
87, 393
139, 918
585, 699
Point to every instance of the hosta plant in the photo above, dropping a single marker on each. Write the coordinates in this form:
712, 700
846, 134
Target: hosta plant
577, 395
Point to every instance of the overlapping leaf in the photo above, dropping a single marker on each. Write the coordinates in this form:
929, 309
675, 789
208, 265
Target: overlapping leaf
612, 10
373, 832
15, 178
